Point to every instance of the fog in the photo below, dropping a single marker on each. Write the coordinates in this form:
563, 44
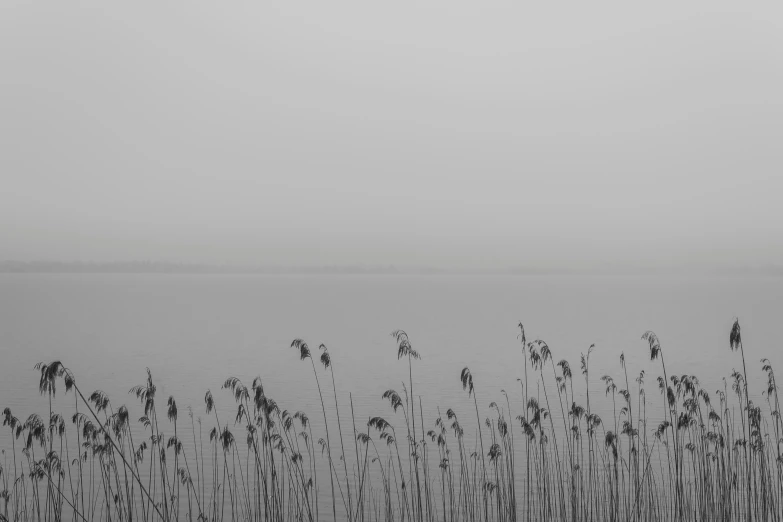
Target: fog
451, 134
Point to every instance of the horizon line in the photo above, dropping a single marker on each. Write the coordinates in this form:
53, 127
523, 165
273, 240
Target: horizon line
169, 267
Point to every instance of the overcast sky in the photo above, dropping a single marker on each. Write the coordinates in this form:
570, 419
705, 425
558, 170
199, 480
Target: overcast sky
454, 134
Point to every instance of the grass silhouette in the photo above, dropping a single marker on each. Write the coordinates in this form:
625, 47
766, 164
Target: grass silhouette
710, 456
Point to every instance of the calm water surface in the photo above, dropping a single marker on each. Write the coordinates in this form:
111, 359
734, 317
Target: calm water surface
194, 331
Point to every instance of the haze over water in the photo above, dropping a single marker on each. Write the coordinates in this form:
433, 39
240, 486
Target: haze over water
475, 138
193, 331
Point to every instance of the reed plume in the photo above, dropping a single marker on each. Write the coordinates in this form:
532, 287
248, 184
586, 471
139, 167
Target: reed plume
705, 456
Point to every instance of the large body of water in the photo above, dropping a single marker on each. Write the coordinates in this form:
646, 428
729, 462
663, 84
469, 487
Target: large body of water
193, 331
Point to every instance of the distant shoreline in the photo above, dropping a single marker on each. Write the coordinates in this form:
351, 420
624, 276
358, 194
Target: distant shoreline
143, 267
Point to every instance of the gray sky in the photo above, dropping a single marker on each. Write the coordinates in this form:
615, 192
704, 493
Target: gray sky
456, 134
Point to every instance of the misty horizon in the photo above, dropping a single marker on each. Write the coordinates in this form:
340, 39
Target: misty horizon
241, 210
157, 267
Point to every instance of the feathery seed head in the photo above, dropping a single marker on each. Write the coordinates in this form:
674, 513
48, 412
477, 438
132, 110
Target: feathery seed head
546, 353
326, 360
394, 399
404, 347
565, 368
735, 337
467, 380
304, 350
652, 341
521, 335
172, 409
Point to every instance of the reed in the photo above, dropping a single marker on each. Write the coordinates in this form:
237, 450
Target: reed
707, 456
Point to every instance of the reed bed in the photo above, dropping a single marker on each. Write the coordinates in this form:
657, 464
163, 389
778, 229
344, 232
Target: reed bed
713, 455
